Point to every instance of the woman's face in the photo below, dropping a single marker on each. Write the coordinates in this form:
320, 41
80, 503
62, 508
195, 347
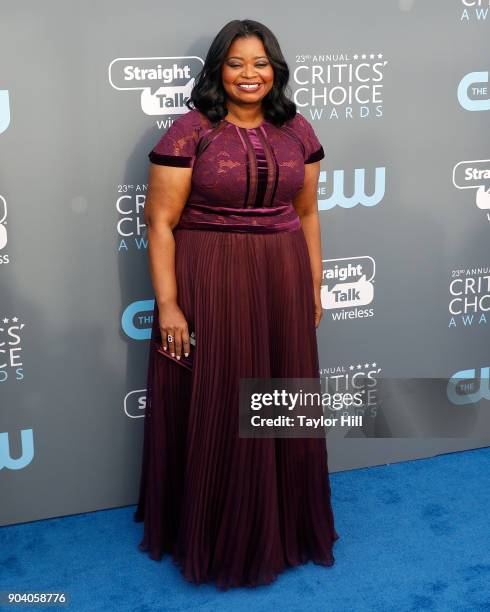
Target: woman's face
247, 63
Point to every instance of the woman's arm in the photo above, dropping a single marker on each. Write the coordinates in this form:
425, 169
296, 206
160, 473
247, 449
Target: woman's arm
306, 205
168, 190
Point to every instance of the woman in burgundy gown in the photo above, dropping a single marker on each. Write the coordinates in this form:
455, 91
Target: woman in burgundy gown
235, 256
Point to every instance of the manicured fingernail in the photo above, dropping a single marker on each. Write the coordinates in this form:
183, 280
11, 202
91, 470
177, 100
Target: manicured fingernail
173, 354
164, 348
186, 354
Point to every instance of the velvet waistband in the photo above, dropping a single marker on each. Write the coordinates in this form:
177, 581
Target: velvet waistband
282, 218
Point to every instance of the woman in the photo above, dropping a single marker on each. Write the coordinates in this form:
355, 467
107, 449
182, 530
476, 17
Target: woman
235, 257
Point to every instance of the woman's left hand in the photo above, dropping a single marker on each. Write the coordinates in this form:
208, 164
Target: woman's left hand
318, 306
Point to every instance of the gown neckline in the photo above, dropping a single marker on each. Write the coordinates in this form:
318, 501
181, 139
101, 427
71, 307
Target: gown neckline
246, 128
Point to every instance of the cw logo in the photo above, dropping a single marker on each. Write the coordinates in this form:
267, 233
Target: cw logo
137, 319
469, 81
338, 197
27, 453
4, 110
465, 387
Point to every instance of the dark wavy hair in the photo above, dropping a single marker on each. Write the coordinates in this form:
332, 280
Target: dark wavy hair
208, 94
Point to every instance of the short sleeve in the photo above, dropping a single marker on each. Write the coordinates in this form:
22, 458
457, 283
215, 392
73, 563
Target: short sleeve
177, 147
313, 149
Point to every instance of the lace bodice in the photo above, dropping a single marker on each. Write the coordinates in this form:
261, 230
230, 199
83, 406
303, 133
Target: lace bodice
243, 179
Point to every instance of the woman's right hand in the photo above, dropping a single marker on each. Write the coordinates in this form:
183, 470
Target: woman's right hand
172, 321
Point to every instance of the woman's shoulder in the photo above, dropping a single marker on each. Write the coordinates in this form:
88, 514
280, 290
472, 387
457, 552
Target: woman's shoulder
192, 120
303, 129
177, 146
299, 123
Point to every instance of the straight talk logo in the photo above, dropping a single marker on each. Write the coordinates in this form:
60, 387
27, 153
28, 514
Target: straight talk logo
4, 258
164, 83
348, 287
475, 174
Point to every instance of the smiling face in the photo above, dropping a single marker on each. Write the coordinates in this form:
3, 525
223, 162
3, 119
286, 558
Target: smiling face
247, 74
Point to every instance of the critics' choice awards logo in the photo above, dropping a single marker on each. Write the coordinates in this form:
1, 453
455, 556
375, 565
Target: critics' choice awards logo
22, 457
469, 291
4, 258
340, 85
357, 382
4, 110
11, 349
473, 94
474, 10
469, 386
345, 376
165, 83
137, 319
130, 226
475, 175
348, 286
338, 189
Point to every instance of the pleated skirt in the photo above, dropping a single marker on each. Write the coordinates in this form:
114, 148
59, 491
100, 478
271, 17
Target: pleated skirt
230, 510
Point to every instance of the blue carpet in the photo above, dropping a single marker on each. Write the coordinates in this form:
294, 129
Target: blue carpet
413, 536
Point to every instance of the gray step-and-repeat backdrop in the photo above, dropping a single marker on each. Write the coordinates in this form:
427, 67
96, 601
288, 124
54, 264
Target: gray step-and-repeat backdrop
398, 93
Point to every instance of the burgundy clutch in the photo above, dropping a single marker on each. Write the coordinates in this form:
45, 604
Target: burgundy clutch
184, 361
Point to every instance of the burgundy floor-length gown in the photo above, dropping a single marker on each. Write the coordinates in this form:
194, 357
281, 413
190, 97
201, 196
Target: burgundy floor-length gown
236, 511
